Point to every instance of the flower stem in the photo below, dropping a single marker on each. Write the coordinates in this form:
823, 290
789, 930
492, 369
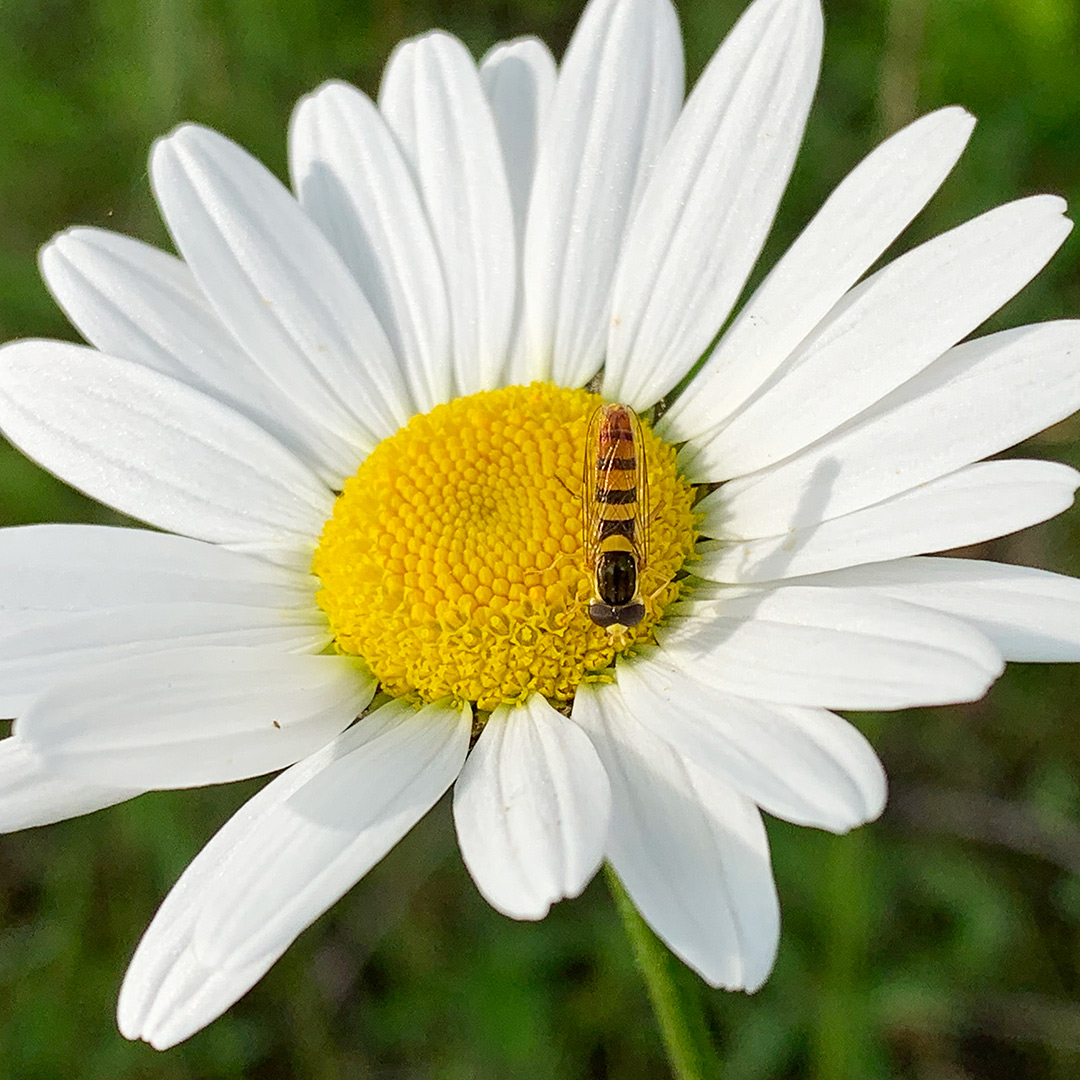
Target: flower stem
679, 1013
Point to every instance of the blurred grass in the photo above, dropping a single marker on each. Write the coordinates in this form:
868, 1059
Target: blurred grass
939, 944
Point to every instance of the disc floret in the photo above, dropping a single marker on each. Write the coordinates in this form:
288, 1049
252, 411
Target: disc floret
453, 562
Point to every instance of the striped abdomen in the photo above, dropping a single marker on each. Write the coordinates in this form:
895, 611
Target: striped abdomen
614, 515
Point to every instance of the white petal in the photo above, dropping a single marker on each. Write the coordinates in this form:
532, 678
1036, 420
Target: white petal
865, 213
388, 771
807, 766
168, 994
519, 80
889, 328
31, 794
835, 648
979, 398
1028, 614
712, 199
531, 808
135, 302
156, 449
973, 504
279, 286
54, 569
194, 716
351, 178
691, 852
186, 997
53, 648
619, 91
433, 101
338, 825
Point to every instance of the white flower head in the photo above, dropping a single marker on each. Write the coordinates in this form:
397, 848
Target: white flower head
358, 411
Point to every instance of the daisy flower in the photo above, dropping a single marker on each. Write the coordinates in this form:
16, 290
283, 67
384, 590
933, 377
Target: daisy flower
356, 417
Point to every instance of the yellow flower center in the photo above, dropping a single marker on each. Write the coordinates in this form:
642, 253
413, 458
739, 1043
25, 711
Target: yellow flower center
455, 562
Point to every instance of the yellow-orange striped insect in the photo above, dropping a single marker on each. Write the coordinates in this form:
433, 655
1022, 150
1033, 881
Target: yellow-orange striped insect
615, 504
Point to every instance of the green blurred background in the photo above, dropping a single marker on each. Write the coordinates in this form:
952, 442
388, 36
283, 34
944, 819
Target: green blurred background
941, 943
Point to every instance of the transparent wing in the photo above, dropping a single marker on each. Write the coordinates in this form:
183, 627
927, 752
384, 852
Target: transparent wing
641, 506
590, 504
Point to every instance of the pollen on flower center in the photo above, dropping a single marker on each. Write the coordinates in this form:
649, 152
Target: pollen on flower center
454, 561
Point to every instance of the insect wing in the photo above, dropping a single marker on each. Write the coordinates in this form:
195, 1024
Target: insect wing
591, 509
641, 504
614, 465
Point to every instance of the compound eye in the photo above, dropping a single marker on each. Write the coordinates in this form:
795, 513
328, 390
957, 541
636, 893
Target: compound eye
603, 614
631, 614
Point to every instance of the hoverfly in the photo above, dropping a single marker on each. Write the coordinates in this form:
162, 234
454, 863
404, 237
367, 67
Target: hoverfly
616, 498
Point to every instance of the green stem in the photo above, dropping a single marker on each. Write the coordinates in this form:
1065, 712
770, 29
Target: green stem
678, 1010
